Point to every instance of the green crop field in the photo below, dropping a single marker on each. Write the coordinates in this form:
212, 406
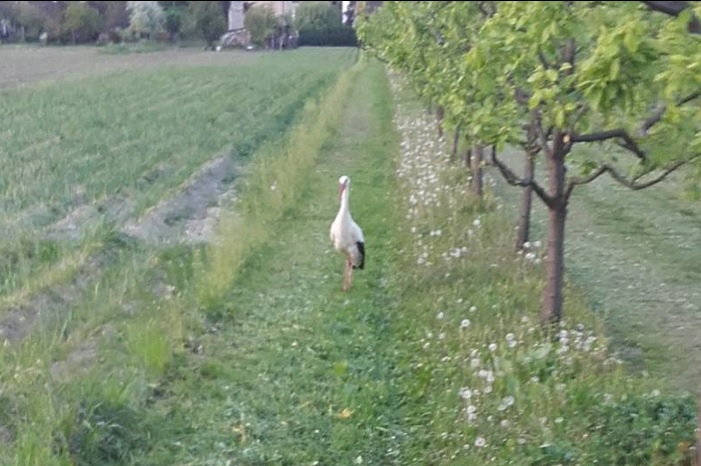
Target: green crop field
80, 158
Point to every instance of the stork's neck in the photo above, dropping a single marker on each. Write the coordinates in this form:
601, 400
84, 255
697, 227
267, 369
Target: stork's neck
345, 203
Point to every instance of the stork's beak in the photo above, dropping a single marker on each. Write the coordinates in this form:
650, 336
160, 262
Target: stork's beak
340, 191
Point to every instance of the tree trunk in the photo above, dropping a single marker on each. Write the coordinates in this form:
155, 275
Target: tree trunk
456, 141
476, 169
440, 113
466, 156
524, 216
551, 311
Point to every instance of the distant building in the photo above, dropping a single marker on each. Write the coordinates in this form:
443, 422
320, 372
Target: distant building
279, 8
236, 15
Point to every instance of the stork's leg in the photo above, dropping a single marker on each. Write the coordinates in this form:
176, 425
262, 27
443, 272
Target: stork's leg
346, 275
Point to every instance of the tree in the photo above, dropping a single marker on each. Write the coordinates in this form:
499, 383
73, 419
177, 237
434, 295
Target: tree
586, 88
30, 20
145, 18
427, 40
208, 21
260, 22
553, 76
114, 14
317, 16
81, 22
174, 22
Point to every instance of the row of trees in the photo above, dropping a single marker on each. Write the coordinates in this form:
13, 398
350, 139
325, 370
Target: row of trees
576, 84
84, 22
316, 23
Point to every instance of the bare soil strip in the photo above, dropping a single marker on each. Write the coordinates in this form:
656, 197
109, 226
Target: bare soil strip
190, 215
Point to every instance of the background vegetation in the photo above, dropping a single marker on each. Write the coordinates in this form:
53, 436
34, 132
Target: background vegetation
318, 23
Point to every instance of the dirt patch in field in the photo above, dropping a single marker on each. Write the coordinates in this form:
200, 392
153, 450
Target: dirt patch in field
77, 222
18, 321
23, 65
190, 215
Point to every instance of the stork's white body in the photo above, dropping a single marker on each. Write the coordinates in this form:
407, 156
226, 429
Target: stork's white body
347, 237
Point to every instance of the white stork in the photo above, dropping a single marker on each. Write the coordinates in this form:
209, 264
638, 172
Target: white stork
346, 236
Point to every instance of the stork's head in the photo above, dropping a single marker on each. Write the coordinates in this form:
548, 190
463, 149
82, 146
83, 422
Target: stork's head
343, 184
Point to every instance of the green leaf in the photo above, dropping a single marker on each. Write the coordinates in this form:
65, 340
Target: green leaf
535, 99
551, 75
536, 76
614, 70
631, 43
560, 117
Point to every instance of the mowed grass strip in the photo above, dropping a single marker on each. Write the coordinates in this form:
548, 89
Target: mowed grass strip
133, 138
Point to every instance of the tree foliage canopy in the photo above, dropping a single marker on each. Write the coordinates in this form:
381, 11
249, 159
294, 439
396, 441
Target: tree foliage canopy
260, 22
146, 17
207, 20
556, 76
317, 16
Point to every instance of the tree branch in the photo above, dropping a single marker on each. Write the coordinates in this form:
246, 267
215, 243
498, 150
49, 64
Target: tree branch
584, 180
668, 8
543, 60
484, 10
657, 115
618, 133
673, 8
542, 136
630, 184
515, 180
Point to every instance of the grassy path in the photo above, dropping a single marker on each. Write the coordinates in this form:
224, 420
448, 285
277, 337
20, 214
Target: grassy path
634, 256
302, 373
636, 253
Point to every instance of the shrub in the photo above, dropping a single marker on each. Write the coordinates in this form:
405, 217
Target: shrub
207, 21
81, 23
317, 16
260, 23
145, 18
